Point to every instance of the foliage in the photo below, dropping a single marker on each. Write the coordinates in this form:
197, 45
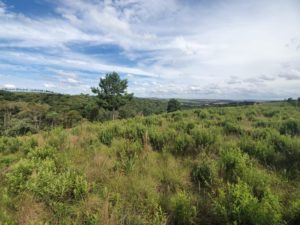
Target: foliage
294, 213
23, 113
204, 137
233, 164
290, 127
237, 205
9, 145
112, 92
183, 212
231, 128
202, 175
173, 105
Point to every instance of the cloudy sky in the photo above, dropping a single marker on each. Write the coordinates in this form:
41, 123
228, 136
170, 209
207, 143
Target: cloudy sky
229, 49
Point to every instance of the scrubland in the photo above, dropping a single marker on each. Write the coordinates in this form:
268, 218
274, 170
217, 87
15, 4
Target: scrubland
215, 165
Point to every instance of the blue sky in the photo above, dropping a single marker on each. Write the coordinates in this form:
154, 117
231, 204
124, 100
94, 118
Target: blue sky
234, 49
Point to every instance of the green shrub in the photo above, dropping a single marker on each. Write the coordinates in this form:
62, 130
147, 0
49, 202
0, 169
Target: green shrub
52, 186
189, 127
29, 144
183, 144
290, 127
20, 127
56, 137
294, 210
157, 139
177, 116
39, 173
9, 145
233, 164
6, 160
263, 133
106, 136
260, 149
270, 113
287, 153
231, 128
182, 209
237, 205
204, 137
160, 138
153, 121
202, 175
262, 123
127, 153
5, 204
42, 153
134, 132
18, 176
202, 114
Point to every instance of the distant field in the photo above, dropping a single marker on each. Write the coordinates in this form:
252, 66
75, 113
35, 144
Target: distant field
217, 165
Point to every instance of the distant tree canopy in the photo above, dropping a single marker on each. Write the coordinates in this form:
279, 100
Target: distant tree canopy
112, 92
21, 113
173, 105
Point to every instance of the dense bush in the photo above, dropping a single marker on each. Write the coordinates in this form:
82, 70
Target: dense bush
134, 132
231, 128
56, 138
157, 139
127, 153
202, 114
270, 113
19, 175
9, 145
182, 209
53, 186
260, 149
294, 213
237, 205
287, 154
233, 164
106, 137
183, 144
204, 137
290, 127
39, 174
202, 175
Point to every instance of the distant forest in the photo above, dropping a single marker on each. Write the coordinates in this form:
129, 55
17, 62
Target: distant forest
21, 113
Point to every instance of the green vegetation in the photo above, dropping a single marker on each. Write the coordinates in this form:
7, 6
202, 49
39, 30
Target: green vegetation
173, 105
214, 165
112, 93
23, 113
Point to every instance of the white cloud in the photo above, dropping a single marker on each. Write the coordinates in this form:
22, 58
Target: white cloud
67, 74
290, 74
49, 85
9, 86
72, 81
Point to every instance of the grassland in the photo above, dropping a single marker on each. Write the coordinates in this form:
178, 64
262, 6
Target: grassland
218, 165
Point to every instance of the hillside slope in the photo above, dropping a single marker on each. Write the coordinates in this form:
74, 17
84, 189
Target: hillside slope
233, 165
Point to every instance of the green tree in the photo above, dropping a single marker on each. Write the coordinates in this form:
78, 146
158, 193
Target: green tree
112, 92
290, 100
173, 105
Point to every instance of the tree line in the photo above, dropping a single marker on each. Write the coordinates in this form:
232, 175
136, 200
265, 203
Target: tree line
22, 113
